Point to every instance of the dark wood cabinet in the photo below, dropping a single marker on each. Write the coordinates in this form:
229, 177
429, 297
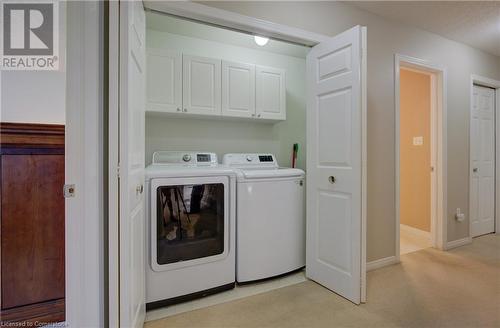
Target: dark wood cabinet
32, 222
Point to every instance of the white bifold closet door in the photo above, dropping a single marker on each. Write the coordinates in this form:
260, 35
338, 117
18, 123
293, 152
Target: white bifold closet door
335, 226
482, 152
132, 103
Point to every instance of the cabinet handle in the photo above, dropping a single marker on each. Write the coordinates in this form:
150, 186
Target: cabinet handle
185, 110
178, 109
332, 179
258, 115
253, 115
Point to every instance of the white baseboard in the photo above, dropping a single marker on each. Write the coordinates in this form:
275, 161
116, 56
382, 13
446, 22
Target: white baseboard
458, 243
415, 231
377, 264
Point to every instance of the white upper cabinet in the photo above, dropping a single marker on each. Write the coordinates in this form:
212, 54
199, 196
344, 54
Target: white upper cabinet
164, 81
185, 84
201, 85
270, 93
238, 89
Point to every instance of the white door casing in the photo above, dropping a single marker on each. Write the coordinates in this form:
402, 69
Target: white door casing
482, 152
201, 85
164, 80
238, 89
270, 84
132, 104
334, 160
84, 158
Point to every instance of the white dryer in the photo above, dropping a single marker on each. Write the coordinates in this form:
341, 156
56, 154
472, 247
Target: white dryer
191, 227
270, 217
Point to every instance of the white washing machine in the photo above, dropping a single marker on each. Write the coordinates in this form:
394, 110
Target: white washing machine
191, 227
270, 217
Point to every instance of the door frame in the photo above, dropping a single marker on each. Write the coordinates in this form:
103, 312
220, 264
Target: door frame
495, 84
234, 21
113, 169
85, 225
438, 146
246, 24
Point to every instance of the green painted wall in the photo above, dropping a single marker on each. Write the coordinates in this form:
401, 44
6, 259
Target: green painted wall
223, 135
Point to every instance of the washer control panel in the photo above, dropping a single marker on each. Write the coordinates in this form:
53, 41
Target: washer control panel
185, 158
250, 160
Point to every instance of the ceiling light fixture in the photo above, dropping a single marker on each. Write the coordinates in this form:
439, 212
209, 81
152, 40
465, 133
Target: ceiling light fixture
260, 40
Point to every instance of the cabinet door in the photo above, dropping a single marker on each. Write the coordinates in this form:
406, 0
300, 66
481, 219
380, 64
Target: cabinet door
238, 89
164, 81
270, 93
201, 85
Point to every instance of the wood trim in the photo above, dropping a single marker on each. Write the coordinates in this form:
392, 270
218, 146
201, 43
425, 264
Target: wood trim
46, 312
33, 139
29, 135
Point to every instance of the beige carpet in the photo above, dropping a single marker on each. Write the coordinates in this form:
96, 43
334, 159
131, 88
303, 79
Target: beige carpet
430, 288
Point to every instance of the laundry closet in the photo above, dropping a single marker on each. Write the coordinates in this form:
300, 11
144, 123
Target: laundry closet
212, 124
221, 105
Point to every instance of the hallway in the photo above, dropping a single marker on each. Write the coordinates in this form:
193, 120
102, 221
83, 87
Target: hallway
430, 288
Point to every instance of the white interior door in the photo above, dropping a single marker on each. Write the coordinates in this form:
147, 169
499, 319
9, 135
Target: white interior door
482, 152
335, 113
131, 163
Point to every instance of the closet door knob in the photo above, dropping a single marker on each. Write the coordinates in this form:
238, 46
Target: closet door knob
139, 189
258, 115
253, 115
331, 179
185, 110
178, 109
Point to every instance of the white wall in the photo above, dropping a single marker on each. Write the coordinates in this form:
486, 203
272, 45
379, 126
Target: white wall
385, 38
226, 136
36, 96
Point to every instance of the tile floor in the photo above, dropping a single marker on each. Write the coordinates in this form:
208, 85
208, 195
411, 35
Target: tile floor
412, 242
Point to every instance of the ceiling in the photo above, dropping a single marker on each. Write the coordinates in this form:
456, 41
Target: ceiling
476, 23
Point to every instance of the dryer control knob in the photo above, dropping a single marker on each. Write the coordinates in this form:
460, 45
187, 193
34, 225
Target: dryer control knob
186, 158
249, 158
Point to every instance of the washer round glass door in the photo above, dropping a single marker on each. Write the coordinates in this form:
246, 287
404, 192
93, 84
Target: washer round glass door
189, 221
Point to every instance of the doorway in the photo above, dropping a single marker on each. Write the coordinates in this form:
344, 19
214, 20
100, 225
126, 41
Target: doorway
420, 155
415, 145
339, 84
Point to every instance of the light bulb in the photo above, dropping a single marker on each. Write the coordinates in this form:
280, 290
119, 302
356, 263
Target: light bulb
260, 40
